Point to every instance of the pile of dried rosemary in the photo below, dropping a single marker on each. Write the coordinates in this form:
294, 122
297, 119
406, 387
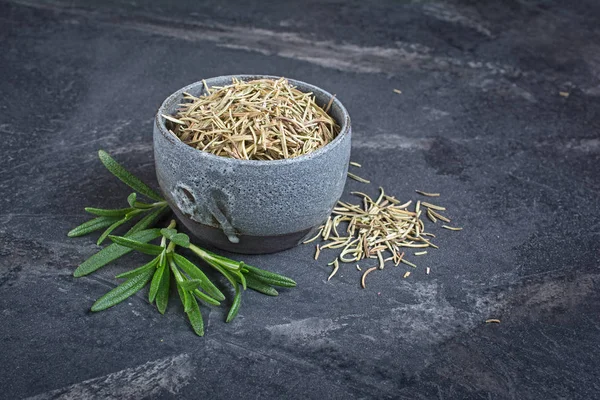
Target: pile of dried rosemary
381, 229
262, 119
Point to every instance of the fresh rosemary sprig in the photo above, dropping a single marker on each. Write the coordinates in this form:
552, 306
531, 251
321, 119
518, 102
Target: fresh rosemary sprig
167, 264
113, 218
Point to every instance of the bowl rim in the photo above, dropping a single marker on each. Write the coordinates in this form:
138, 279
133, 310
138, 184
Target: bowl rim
344, 125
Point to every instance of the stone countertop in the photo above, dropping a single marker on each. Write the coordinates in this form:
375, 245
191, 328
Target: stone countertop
481, 119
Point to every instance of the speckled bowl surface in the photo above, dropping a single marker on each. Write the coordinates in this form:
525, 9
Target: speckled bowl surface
249, 206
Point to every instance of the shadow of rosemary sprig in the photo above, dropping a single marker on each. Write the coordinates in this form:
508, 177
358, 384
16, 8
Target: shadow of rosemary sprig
191, 282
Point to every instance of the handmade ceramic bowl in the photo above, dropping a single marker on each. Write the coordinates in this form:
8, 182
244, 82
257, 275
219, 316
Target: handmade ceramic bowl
249, 206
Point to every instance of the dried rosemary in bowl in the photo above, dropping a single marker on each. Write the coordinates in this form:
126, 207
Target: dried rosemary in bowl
262, 119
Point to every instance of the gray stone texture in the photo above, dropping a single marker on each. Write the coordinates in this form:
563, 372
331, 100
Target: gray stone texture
480, 119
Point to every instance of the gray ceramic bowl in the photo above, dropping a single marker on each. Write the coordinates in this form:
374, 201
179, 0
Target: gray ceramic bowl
250, 206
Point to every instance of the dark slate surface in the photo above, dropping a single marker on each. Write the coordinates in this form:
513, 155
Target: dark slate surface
480, 119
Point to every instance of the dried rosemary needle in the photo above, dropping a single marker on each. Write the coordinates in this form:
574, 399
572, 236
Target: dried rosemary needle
262, 119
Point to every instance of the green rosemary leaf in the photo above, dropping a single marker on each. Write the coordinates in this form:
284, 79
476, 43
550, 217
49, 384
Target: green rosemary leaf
123, 291
162, 296
168, 232
191, 284
206, 298
126, 177
131, 199
133, 213
117, 212
195, 318
180, 291
272, 281
92, 225
241, 278
139, 270
148, 220
138, 205
180, 239
188, 299
142, 247
110, 229
223, 271
269, 277
235, 307
196, 273
158, 277
112, 252
261, 287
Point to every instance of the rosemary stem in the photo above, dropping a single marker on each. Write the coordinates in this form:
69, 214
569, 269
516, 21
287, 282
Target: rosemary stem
163, 241
176, 272
213, 258
198, 251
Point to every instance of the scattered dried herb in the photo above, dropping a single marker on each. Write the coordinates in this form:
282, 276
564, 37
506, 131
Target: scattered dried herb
452, 228
364, 276
431, 216
378, 229
336, 266
427, 194
262, 119
433, 206
358, 178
